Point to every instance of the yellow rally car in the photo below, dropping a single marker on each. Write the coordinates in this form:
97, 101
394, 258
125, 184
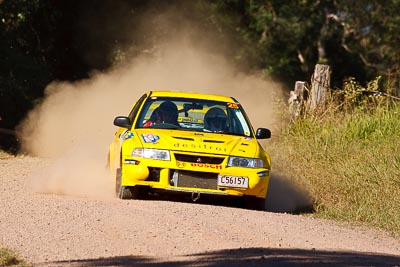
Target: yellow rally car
191, 143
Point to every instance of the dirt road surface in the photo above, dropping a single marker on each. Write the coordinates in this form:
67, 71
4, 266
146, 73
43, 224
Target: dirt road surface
62, 230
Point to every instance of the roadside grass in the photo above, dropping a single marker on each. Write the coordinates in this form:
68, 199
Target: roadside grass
349, 161
10, 258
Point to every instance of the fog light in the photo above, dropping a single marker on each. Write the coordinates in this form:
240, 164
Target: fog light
263, 174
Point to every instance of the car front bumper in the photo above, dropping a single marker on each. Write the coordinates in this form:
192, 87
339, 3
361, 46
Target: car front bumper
188, 177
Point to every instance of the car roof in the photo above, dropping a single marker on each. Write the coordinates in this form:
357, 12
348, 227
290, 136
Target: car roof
192, 95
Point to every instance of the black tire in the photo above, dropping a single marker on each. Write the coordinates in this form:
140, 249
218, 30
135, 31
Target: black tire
125, 193
122, 192
254, 203
129, 192
118, 175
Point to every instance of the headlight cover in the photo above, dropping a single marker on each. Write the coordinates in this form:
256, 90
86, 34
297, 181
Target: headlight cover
149, 153
245, 162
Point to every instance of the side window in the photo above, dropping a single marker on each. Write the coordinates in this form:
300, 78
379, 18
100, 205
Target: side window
237, 127
148, 112
135, 109
238, 123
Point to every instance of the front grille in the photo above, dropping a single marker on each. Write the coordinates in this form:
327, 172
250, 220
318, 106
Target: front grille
198, 159
204, 180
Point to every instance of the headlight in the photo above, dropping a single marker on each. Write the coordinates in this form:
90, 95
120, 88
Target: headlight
245, 162
149, 153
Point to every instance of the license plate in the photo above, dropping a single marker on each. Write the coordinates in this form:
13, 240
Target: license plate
233, 181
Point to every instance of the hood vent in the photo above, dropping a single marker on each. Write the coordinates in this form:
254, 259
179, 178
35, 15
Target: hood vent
183, 138
213, 141
191, 139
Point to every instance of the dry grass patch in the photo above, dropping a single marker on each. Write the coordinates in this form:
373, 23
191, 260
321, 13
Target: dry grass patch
348, 158
10, 258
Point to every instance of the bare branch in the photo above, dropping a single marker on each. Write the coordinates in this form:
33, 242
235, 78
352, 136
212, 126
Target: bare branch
346, 33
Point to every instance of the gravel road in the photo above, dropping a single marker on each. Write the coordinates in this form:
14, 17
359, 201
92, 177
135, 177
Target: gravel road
74, 230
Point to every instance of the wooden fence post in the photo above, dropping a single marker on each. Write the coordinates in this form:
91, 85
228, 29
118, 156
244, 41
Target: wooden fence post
296, 99
320, 83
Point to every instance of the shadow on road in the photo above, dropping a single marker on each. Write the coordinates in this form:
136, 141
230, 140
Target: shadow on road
247, 257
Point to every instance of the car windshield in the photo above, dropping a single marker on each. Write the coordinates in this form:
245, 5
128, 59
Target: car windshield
193, 115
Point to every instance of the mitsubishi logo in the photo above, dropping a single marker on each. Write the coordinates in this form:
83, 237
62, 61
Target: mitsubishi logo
199, 160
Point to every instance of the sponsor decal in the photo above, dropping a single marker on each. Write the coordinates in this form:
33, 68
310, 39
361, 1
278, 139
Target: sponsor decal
150, 138
233, 105
129, 135
204, 165
200, 146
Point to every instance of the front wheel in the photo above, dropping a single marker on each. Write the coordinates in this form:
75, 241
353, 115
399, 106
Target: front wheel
118, 175
126, 192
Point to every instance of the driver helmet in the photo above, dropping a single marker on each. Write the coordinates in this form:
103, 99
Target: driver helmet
168, 112
215, 120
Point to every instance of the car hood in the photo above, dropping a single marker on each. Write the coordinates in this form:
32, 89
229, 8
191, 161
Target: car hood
201, 142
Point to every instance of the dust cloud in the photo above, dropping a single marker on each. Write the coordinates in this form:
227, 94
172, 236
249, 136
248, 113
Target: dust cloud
73, 123
73, 126
285, 196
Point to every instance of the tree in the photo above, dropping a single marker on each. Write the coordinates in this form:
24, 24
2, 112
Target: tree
357, 38
23, 65
371, 32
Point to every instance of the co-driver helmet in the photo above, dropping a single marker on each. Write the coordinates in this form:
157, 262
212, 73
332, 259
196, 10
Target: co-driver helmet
215, 120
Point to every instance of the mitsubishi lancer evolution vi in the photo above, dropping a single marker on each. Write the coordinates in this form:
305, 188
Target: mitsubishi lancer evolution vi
189, 143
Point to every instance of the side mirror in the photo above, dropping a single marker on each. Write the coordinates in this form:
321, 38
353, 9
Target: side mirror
263, 133
123, 122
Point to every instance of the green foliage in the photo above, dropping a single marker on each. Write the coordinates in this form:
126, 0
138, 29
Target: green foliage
355, 96
42, 40
374, 26
23, 67
286, 39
